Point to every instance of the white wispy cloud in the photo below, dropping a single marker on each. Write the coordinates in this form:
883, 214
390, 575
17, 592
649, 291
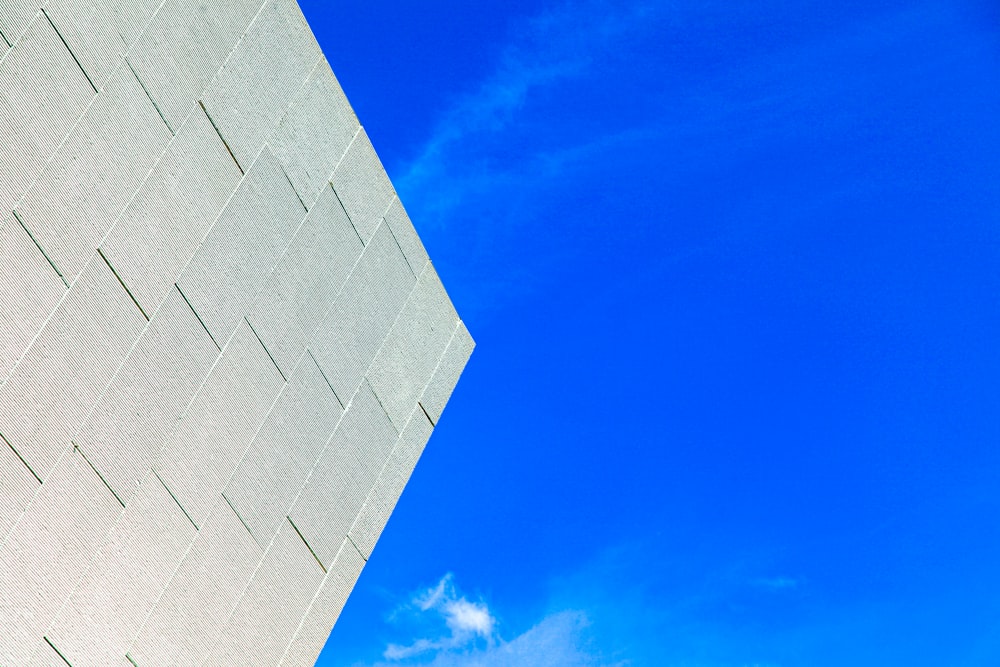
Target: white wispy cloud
432, 596
465, 617
467, 622
554, 47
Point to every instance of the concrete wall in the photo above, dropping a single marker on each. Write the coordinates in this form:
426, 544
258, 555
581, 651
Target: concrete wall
222, 344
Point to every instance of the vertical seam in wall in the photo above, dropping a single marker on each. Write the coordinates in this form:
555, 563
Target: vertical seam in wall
396, 239
175, 499
38, 245
21, 458
333, 173
347, 149
292, 185
364, 380
151, 100
76, 448
427, 414
308, 546
58, 652
75, 59
267, 351
250, 532
200, 321
222, 138
353, 226
354, 137
122, 283
325, 379
437, 367
351, 540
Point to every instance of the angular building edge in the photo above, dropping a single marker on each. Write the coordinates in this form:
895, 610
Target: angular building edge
223, 346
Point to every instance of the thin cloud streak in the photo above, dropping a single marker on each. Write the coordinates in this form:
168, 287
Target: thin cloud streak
558, 640
557, 46
777, 583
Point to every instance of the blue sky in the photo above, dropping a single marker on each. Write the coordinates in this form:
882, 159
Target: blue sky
734, 274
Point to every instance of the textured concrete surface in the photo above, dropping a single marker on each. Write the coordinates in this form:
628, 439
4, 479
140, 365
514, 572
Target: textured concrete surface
223, 346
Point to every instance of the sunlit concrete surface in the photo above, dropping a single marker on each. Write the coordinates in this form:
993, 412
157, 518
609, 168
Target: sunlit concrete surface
222, 345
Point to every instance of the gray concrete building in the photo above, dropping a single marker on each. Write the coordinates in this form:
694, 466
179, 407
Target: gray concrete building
222, 344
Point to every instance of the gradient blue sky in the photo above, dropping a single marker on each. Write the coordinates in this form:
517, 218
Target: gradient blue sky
734, 273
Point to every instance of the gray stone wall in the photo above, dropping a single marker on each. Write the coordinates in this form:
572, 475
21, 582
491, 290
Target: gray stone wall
222, 344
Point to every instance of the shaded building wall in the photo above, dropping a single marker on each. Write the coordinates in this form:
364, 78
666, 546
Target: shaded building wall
222, 344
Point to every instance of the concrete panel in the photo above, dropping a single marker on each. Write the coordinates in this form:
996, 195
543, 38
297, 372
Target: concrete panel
315, 133
255, 635
306, 280
344, 474
363, 186
94, 174
201, 594
242, 248
184, 46
48, 551
219, 425
172, 212
362, 314
124, 580
99, 32
409, 355
445, 377
287, 446
18, 485
49, 393
252, 90
315, 627
126, 429
42, 93
47, 655
389, 486
406, 236
30, 290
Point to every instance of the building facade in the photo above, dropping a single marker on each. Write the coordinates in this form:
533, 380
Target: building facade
222, 344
